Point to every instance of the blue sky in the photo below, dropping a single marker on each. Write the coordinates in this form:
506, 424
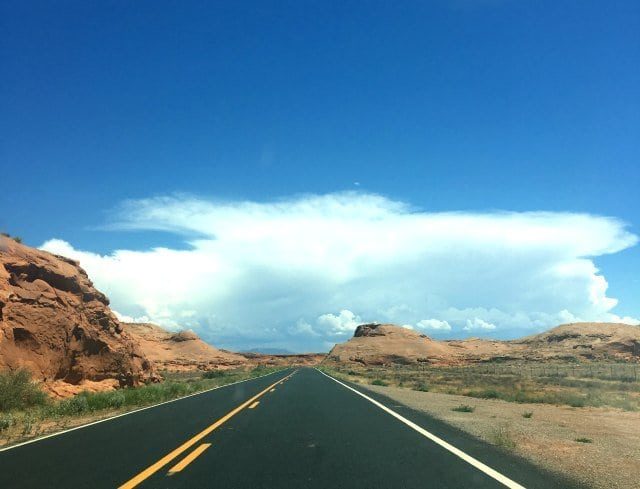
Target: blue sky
459, 105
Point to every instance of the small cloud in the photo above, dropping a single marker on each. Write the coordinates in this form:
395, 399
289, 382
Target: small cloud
123, 318
302, 328
433, 325
478, 324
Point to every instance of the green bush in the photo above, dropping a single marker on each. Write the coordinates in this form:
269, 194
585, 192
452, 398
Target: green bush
72, 406
421, 386
464, 408
213, 374
18, 391
379, 382
584, 440
527, 414
501, 436
104, 400
6, 420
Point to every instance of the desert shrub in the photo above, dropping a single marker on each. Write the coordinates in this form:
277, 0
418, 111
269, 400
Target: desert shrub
352, 372
6, 420
72, 406
464, 408
575, 401
379, 382
99, 401
584, 440
213, 374
18, 391
17, 239
489, 394
421, 386
501, 437
27, 424
527, 414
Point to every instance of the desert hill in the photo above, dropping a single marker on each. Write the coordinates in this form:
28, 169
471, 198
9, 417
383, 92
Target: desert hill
56, 324
185, 351
180, 351
378, 344
587, 340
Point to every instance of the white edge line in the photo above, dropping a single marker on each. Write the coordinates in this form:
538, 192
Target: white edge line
132, 412
447, 446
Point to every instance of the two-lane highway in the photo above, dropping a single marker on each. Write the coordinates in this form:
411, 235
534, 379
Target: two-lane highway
295, 428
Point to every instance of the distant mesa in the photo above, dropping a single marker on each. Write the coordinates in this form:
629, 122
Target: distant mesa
379, 344
181, 351
268, 351
384, 344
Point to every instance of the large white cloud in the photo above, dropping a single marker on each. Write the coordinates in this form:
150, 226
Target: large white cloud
301, 272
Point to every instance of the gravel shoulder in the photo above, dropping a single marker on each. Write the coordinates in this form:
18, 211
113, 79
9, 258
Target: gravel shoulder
610, 459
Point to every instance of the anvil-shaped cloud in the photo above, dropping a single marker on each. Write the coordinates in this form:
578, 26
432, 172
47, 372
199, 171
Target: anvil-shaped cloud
301, 272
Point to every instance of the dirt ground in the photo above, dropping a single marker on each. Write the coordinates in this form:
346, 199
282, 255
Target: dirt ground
548, 437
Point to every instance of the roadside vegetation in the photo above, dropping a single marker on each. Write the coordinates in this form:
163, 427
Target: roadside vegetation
26, 411
617, 386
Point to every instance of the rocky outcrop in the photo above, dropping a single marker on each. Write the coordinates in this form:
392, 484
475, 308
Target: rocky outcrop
586, 340
56, 324
383, 344
182, 351
380, 344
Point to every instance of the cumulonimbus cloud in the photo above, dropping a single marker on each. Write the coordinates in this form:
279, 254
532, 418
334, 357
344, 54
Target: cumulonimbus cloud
300, 272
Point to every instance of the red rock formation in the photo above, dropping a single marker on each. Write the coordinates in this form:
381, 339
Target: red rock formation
56, 324
380, 344
185, 351
182, 351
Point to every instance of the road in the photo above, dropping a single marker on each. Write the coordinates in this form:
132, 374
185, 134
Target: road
291, 429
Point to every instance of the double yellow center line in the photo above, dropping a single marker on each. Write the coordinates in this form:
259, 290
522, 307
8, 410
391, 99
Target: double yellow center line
152, 469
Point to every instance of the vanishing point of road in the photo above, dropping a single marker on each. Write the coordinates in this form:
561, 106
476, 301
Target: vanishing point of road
296, 428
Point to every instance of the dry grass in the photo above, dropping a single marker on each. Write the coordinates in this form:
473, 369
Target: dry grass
511, 383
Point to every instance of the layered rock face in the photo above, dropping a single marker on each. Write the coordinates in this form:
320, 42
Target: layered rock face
56, 324
182, 351
382, 344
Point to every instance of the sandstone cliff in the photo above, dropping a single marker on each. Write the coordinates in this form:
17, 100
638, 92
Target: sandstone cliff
56, 324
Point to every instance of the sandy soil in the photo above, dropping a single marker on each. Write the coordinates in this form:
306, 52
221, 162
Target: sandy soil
548, 437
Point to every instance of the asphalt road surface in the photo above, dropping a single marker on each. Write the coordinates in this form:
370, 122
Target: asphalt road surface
291, 429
